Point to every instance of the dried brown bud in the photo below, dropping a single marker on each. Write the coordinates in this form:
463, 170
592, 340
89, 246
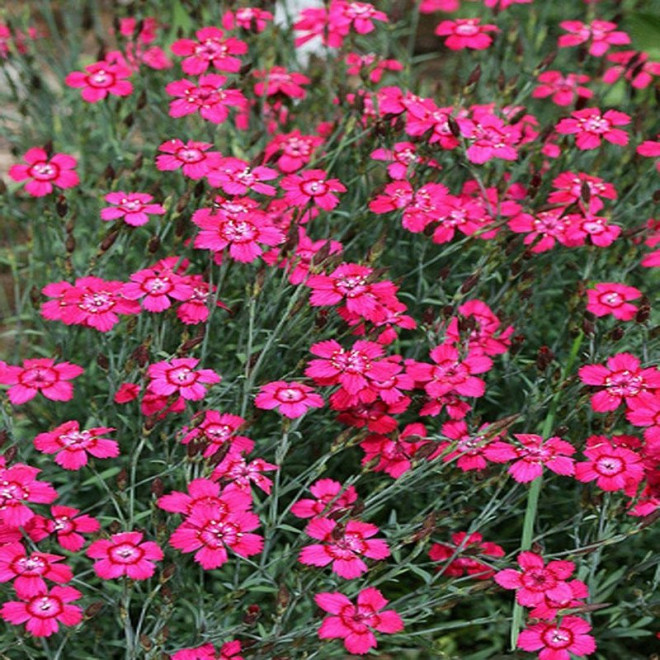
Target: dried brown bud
544, 358
157, 487
61, 206
454, 127
70, 244
153, 245
108, 241
93, 609
102, 361
122, 479
10, 454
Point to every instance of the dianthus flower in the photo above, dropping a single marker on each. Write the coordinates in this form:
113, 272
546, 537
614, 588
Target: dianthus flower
207, 492
431, 6
590, 125
582, 189
479, 326
195, 309
210, 49
156, 286
563, 89
634, 66
279, 80
468, 449
45, 172
394, 456
343, 545
542, 230
466, 33
124, 554
39, 375
531, 455
208, 533
248, 18
489, 137
312, 186
291, 399
537, 579
72, 445
68, 526
215, 430
19, 487
206, 97
600, 34
558, 641
29, 572
236, 177
239, 227
100, 80
43, 612
402, 160
345, 15
423, 115
613, 298
644, 410
355, 623
331, 498
611, 467
194, 158
235, 469
370, 64
228, 651
292, 150
178, 376
464, 544
134, 208
621, 379
91, 302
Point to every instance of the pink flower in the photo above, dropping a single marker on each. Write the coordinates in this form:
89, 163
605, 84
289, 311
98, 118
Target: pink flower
466, 33
343, 546
590, 125
403, 159
236, 177
312, 186
621, 379
29, 572
469, 449
228, 651
126, 392
611, 467
537, 579
355, 623
42, 613
613, 298
293, 150
72, 445
634, 66
68, 526
194, 158
210, 49
248, 18
178, 376
91, 302
216, 430
18, 487
156, 286
466, 565
490, 137
134, 208
542, 230
602, 35
531, 455
100, 80
558, 641
124, 554
583, 189
278, 80
195, 309
44, 173
240, 228
207, 492
208, 533
292, 399
235, 469
644, 410
207, 97
331, 498
394, 456
359, 16
40, 375
564, 89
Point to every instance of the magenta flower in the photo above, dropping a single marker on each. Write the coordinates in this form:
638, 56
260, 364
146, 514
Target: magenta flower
44, 173
228, 651
68, 526
292, 399
292, 150
278, 80
178, 376
468, 449
100, 80
216, 430
355, 623
394, 456
622, 379
72, 445
583, 189
536, 579
611, 467
331, 498
241, 230
634, 66
343, 546
18, 487
644, 410
156, 286
466, 565
600, 34
207, 492
532, 455
345, 15
235, 469
613, 298
236, 177
489, 137
210, 49
29, 572
312, 187
208, 533
558, 641
42, 613
124, 554
207, 97
590, 125
248, 18
194, 158
90, 302
563, 89
134, 208
39, 375
466, 33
